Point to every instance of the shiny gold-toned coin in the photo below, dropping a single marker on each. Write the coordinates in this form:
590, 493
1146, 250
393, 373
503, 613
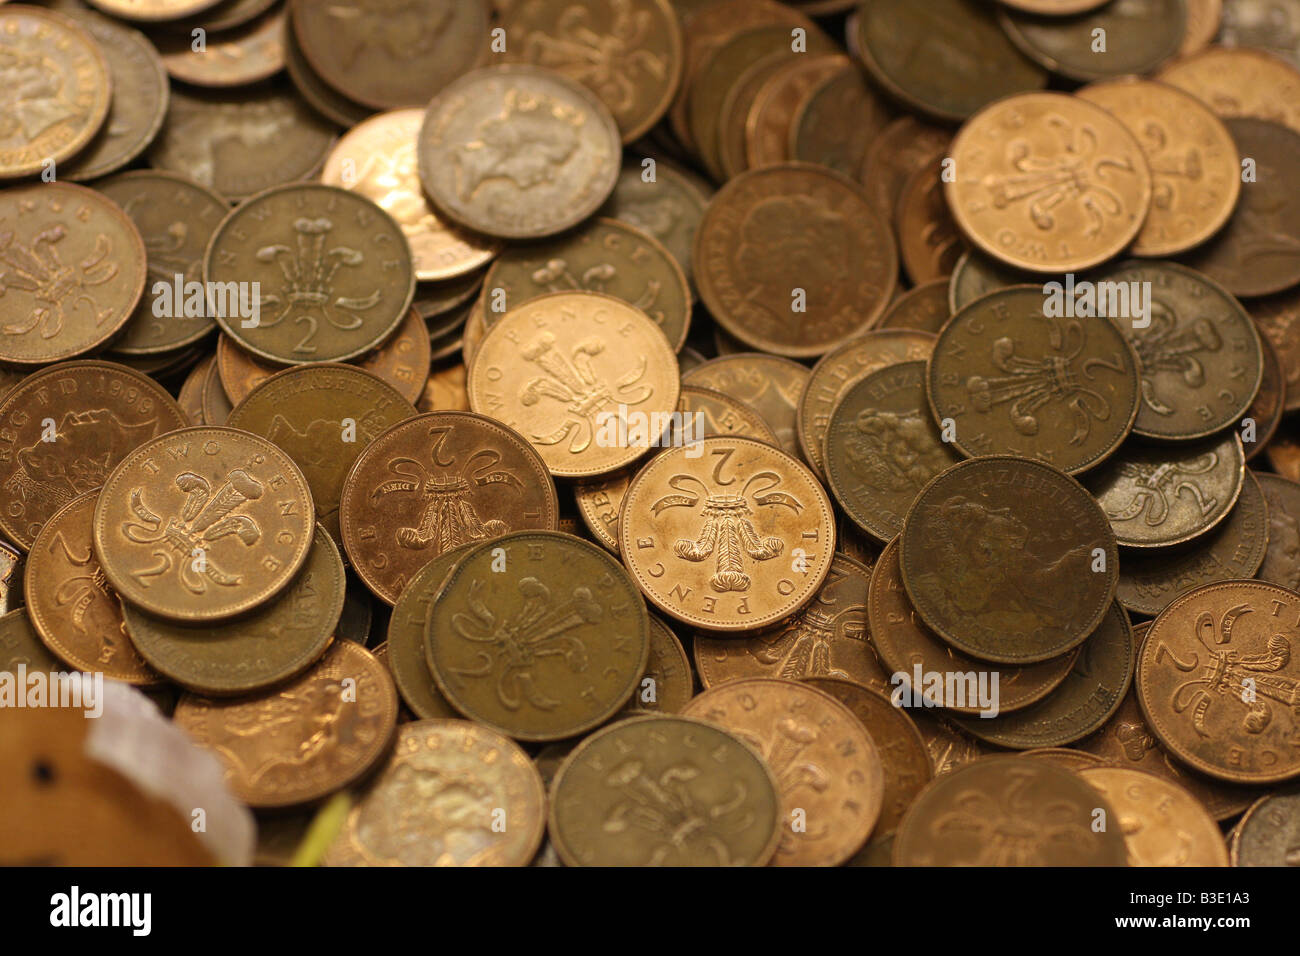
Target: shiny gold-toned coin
1239, 82
243, 55
1163, 824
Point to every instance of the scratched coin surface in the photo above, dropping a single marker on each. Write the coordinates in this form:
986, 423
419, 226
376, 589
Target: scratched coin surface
71, 605
518, 152
1235, 549
882, 447
1239, 82
176, 217
1140, 35
998, 555
58, 89
773, 252
203, 524
769, 384
609, 807
728, 534
1161, 495
828, 638
391, 55
435, 802
1163, 824
899, 42
1267, 834
825, 762
1281, 563
603, 255
100, 410
550, 647
76, 269
335, 273
322, 416
903, 643
1195, 172
1008, 811
818, 133
1050, 228
582, 376
1214, 678
377, 158
406, 638
433, 482
322, 731
278, 641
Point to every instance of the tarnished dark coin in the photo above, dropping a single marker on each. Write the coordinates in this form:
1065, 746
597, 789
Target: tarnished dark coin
773, 251
819, 134
1235, 549
1269, 406
322, 416
213, 400
433, 482
1239, 82
1163, 824
1284, 456
1139, 36
391, 55
903, 643
1215, 677
335, 271
902, 147
323, 98
241, 142
299, 742
176, 217
1009, 560
668, 682
1281, 564
975, 275
771, 385
1091, 692
1258, 251
203, 524
21, 645
518, 152
1278, 320
771, 114
806, 735
407, 647
1269, 833
608, 807
882, 448
1075, 760
97, 412
278, 641
1008, 811
226, 15
899, 41
734, 116
1161, 495
549, 647
923, 309
241, 56
604, 255
928, 240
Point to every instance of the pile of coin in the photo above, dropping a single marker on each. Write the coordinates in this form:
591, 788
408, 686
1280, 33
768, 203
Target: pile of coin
634, 432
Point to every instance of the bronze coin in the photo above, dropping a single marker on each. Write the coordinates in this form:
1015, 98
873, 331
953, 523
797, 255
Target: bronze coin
818, 132
902, 147
928, 240
771, 115
1008, 811
279, 641
1278, 320
1203, 20
1239, 82
21, 646
668, 682
407, 647
445, 389
1009, 560
1284, 456
1281, 564
323, 98
241, 56
1075, 760
1140, 35
304, 740
772, 252
95, 412
734, 115
922, 309
403, 360
1163, 824
1266, 835
153, 10
433, 482
771, 385
975, 275
203, 524
190, 397
1267, 409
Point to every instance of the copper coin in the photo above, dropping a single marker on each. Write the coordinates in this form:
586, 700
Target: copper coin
241, 56
1284, 456
668, 682
1278, 320
518, 152
226, 15
153, 10
818, 133
213, 399
828, 768
1196, 176
438, 302
1214, 679
828, 638
975, 275
1270, 402
241, 142
1281, 564
583, 376
922, 309
1140, 34
1163, 824
1162, 495
728, 534
1009, 559
277, 642
391, 56
899, 41
190, 397
176, 217
1075, 760
322, 416
609, 808
445, 388
451, 794
927, 237
407, 647
735, 113
20, 645
771, 385
71, 605
317, 734
323, 98
904, 644
377, 159
76, 270
1266, 835
203, 524
772, 252
1235, 549
96, 413
882, 448
1054, 8
1008, 811
902, 148
550, 646
771, 115
1239, 82
433, 482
